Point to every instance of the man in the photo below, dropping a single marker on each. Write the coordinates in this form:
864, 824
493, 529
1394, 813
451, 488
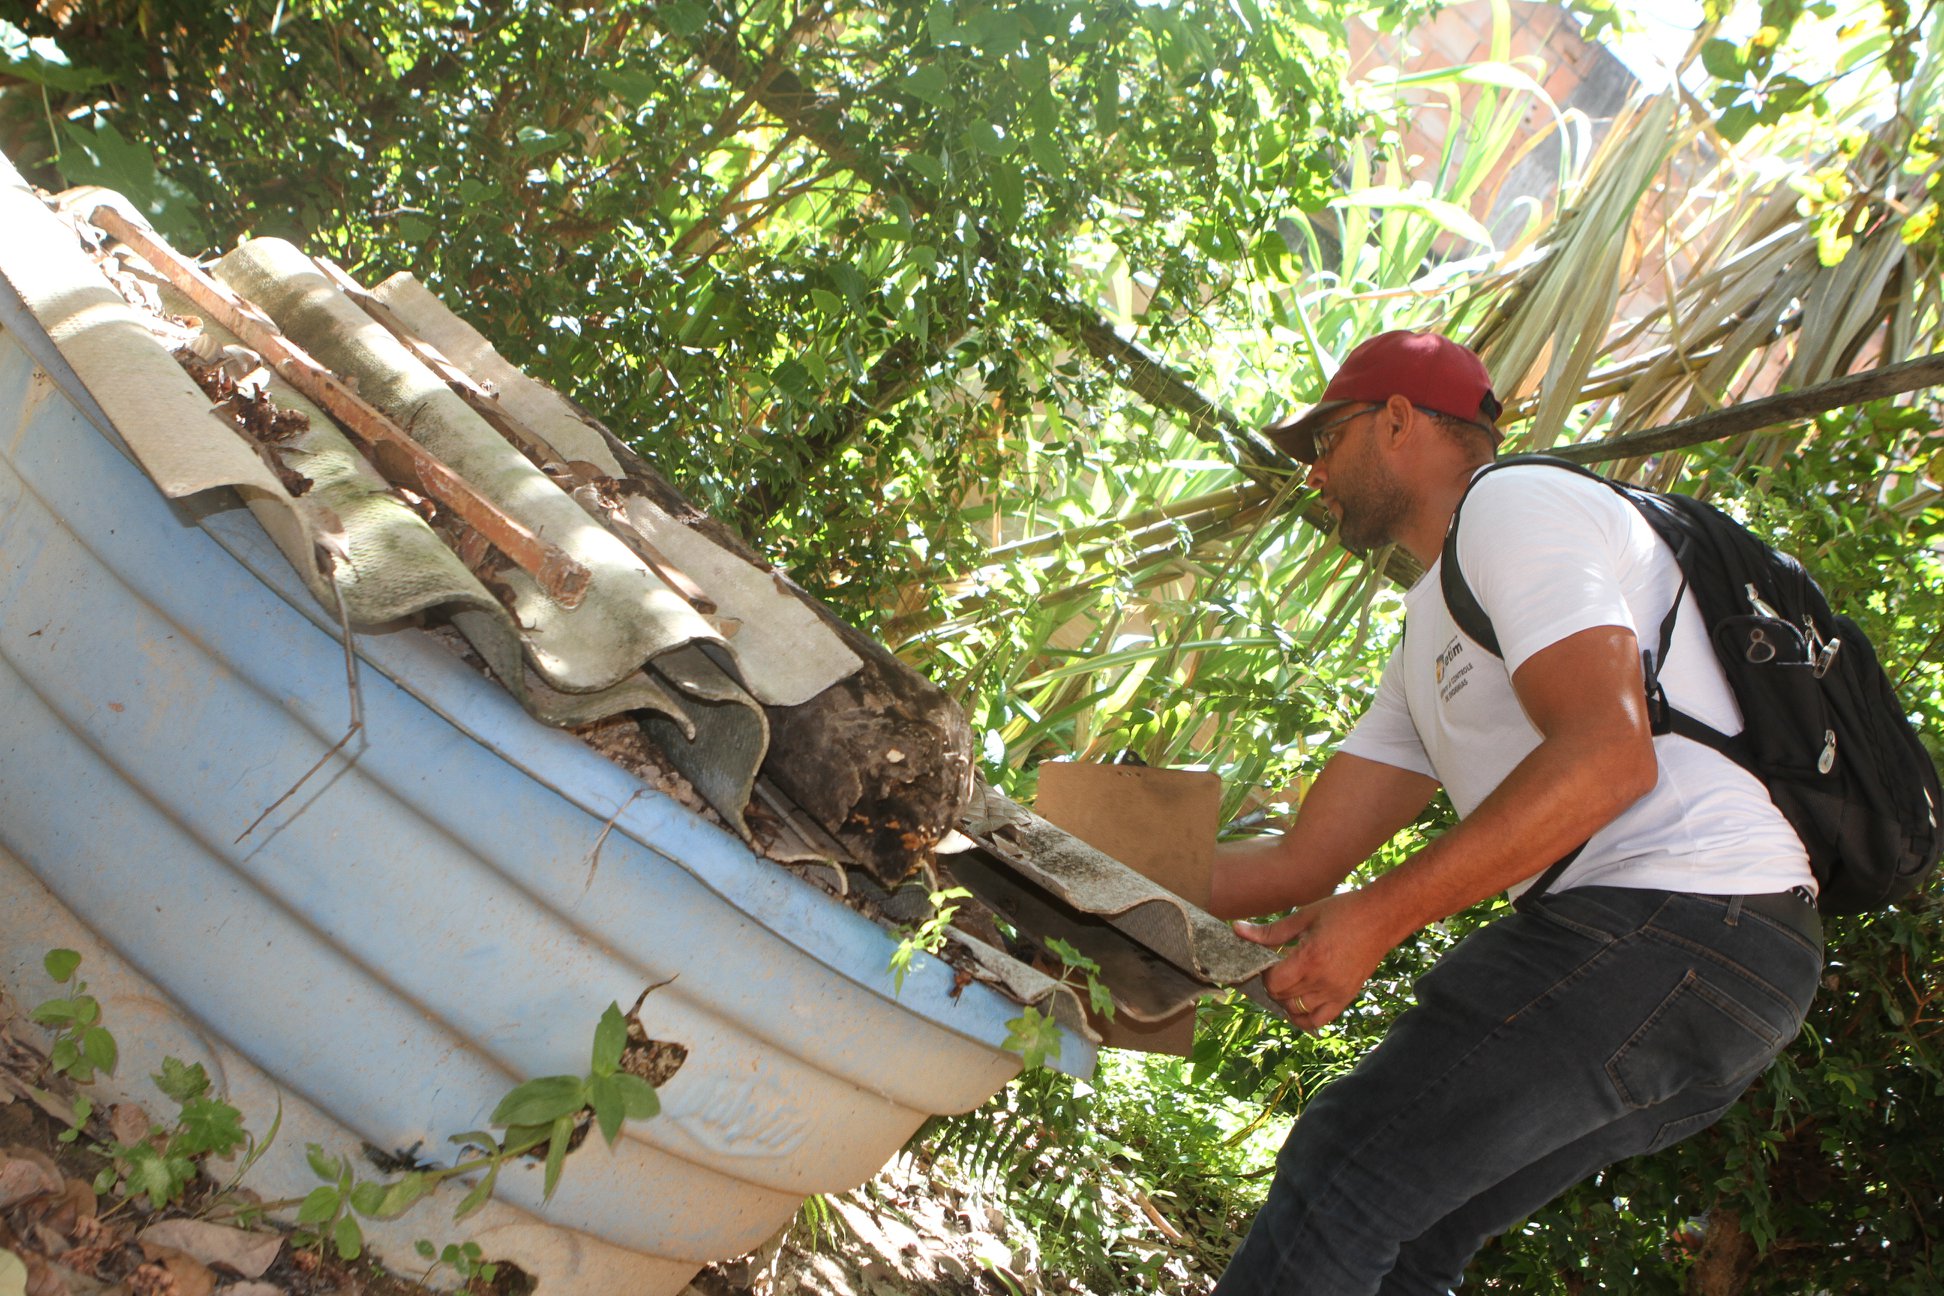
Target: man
1622, 1010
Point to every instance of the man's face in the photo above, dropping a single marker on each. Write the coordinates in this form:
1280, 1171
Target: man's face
1357, 484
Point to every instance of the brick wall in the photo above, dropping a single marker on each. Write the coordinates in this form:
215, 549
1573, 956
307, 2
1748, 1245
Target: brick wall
1575, 73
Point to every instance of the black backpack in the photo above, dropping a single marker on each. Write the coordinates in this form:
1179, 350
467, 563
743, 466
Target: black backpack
1822, 725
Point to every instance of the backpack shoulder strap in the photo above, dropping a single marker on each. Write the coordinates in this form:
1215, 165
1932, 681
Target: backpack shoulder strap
1458, 596
1471, 617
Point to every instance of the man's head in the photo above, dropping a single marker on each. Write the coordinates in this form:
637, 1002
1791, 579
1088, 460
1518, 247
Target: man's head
1437, 375
1397, 434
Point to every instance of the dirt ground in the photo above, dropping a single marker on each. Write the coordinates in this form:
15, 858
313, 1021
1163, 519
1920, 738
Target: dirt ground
908, 1231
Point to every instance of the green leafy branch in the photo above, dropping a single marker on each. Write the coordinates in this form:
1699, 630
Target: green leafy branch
1035, 1035
540, 1113
928, 936
81, 1046
547, 1109
1098, 997
162, 1165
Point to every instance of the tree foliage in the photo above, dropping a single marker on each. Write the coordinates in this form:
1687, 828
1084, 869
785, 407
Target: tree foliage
964, 310
793, 249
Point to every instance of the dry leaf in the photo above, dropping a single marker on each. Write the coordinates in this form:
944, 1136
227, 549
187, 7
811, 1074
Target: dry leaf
74, 1202
252, 1289
42, 1280
25, 1174
48, 1103
191, 1276
248, 1254
75, 1283
128, 1123
16, 1152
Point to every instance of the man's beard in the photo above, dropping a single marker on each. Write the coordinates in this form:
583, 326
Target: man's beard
1371, 509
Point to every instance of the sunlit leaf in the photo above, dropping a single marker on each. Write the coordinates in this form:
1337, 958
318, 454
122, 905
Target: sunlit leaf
537, 1102
1445, 215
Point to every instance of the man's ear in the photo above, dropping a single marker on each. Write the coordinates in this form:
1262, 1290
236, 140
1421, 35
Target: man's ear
1397, 420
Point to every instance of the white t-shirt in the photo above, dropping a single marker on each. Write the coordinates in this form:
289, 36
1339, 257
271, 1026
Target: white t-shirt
1549, 553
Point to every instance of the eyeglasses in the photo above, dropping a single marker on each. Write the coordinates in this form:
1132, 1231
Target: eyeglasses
1325, 438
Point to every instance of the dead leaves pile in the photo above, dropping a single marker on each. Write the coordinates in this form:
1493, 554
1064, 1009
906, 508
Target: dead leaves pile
56, 1242
237, 380
58, 1239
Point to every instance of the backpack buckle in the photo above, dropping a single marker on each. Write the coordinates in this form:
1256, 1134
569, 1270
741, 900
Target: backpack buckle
1658, 719
1826, 656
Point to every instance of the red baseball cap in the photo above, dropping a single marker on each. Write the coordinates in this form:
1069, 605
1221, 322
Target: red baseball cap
1430, 371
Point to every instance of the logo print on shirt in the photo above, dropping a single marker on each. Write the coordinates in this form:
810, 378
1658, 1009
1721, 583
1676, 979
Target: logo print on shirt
1449, 689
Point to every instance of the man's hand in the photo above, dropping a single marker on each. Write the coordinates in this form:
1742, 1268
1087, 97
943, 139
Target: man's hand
1339, 941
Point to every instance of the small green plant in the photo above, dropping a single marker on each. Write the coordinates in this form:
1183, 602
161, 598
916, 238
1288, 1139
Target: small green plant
1035, 1036
928, 935
81, 1046
162, 1164
331, 1210
816, 1223
543, 1112
1098, 997
463, 1258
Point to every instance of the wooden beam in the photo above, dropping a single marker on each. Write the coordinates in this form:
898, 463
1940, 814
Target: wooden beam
1769, 411
524, 439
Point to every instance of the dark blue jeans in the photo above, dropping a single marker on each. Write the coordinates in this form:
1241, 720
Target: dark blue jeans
1602, 1023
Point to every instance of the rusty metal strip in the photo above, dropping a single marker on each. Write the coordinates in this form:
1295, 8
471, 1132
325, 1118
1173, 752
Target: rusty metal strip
530, 443
555, 570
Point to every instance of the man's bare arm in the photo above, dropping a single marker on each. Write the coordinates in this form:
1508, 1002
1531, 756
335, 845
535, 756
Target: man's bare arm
1595, 758
1354, 807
